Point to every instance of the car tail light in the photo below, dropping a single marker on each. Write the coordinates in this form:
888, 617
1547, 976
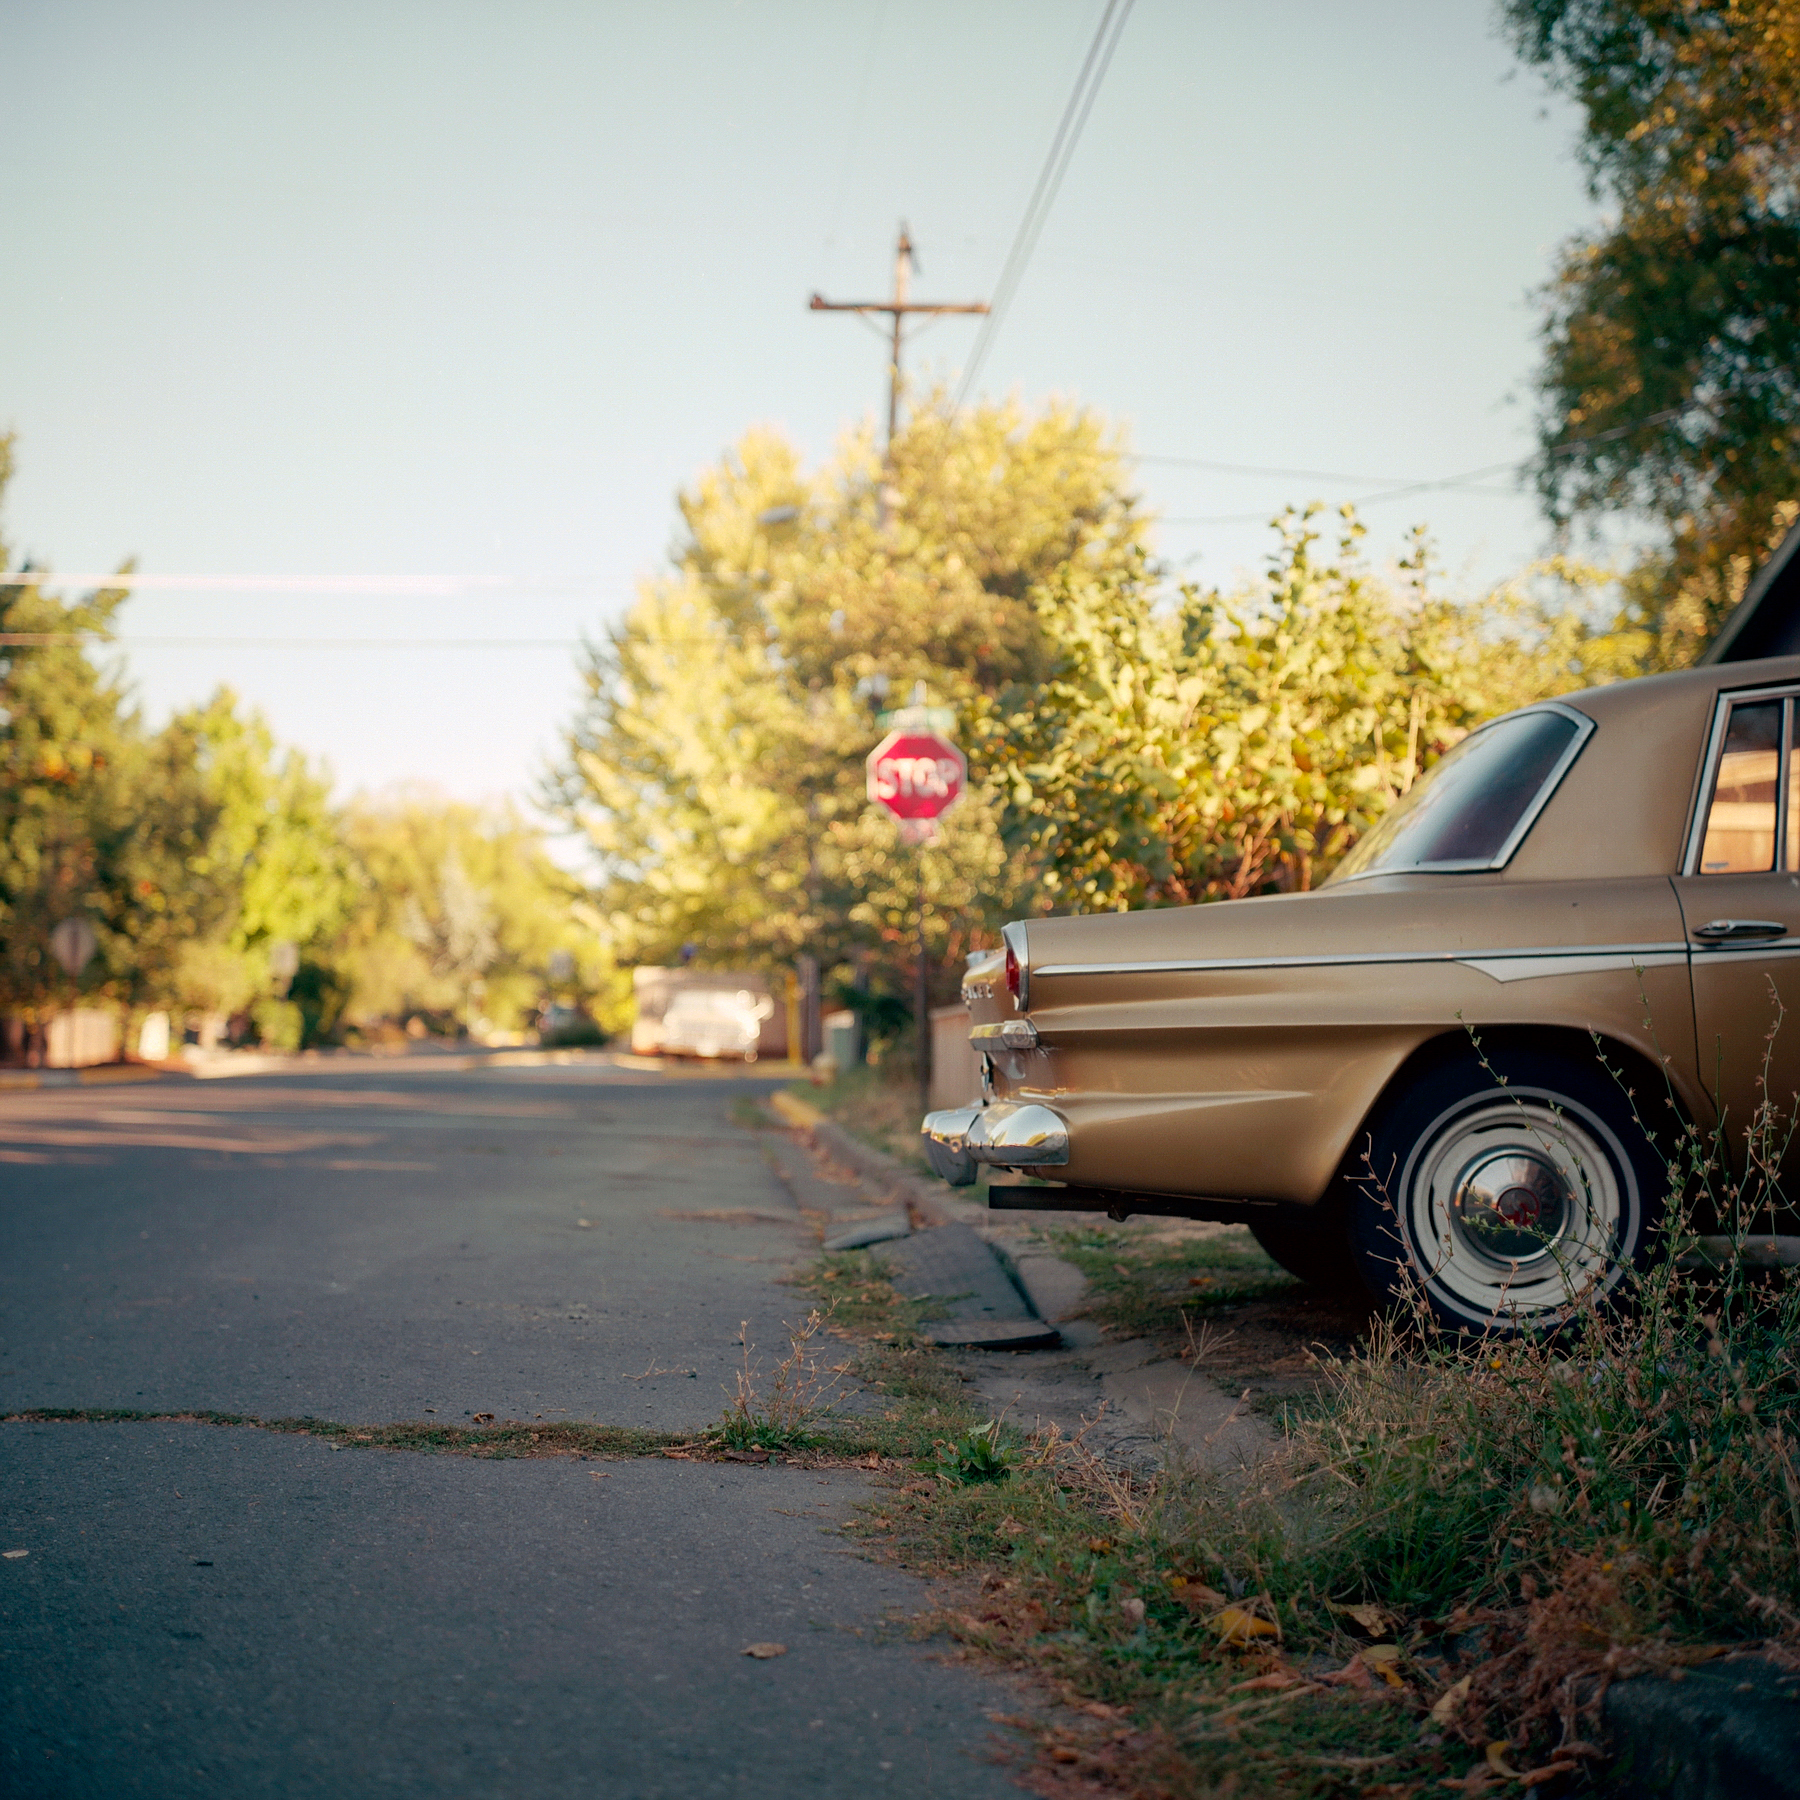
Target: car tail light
1018, 965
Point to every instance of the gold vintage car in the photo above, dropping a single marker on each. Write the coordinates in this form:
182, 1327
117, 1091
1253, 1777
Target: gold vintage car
1608, 879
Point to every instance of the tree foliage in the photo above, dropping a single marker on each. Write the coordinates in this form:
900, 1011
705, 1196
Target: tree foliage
196, 850
1219, 745
1671, 381
717, 766
459, 918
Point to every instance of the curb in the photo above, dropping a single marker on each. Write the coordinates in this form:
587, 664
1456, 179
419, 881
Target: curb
95, 1075
1710, 1733
1056, 1289
924, 1197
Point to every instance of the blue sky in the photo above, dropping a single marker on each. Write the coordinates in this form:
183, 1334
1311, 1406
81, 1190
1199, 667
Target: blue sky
467, 291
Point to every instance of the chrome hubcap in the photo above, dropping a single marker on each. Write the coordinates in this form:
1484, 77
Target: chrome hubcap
1512, 1206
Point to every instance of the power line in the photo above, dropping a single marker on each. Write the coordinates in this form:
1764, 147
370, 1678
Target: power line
1401, 490
48, 639
1043, 195
415, 587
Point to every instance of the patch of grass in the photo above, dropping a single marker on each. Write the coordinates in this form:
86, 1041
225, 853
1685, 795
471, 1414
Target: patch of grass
1094, 1581
1144, 1284
980, 1454
863, 1301
878, 1105
502, 1438
786, 1407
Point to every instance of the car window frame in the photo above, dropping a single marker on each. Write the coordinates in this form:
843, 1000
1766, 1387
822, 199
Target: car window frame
1723, 702
1585, 727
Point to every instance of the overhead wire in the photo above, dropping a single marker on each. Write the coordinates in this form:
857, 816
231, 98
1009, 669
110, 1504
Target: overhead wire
1050, 176
440, 586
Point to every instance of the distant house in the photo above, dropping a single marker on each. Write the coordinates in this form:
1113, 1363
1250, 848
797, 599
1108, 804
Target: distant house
1767, 619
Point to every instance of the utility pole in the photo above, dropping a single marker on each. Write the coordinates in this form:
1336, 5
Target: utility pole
897, 309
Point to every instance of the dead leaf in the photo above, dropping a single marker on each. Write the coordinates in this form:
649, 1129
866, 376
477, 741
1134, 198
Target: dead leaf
1274, 1678
1236, 1627
1063, 1754
679, 1455
749, 1456
14, 1555
1496, 1760
601, 1474
1371, 1618
762, 1652
484, 1419
1532, 1777
1384, 1659
1100, 1710
1133, 1609
1449, 1703
1010, 1528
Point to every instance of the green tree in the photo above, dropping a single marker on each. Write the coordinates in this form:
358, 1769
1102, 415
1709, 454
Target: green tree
460, 916
96, 820
275, 851
1671, 381
718, 764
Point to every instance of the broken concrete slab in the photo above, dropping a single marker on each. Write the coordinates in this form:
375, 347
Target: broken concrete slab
1057, 1289
871, 1231
951, 1263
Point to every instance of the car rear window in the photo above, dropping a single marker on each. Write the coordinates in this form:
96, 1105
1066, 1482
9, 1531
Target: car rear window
1467, 811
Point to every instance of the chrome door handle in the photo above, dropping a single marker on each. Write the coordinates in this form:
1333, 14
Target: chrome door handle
1739, 931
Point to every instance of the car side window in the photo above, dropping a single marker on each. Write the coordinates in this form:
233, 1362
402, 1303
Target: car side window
1743, 817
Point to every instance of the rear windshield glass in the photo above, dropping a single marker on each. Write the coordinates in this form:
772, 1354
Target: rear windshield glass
1470, 803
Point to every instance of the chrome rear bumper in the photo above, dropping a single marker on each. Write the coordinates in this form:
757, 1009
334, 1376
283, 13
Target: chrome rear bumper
1011, 1136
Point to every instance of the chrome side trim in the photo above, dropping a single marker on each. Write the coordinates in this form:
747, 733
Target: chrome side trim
1535, 968
1708, 954
1358, 958
1585, 729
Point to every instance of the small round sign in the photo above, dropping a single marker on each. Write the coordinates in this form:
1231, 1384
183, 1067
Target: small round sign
917, 774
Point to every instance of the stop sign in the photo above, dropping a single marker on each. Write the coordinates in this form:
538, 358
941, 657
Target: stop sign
916, 774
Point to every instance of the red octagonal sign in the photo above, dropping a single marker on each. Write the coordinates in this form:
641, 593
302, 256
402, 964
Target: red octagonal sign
916, 774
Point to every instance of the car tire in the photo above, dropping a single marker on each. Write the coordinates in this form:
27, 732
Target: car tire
1506, 1193
1312, 1243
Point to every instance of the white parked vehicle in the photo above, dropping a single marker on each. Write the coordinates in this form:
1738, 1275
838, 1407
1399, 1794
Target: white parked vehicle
714, 1022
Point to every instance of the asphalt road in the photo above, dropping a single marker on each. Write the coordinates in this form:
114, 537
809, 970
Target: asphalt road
207, 1610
